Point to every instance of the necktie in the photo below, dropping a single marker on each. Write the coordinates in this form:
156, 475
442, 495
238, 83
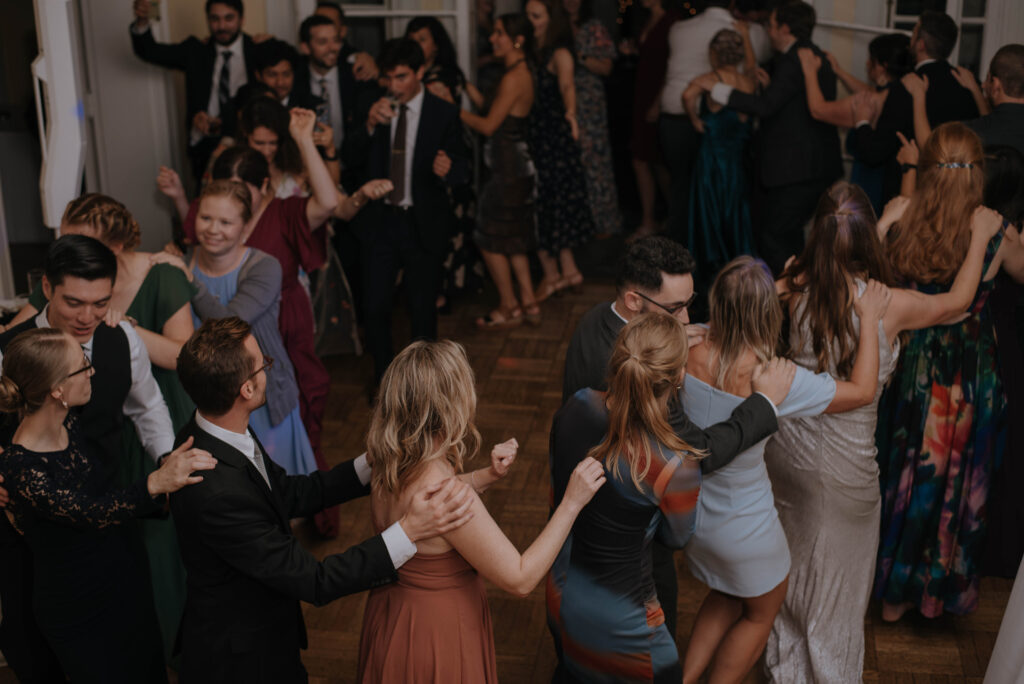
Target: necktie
397, 174
224, 82
257, 461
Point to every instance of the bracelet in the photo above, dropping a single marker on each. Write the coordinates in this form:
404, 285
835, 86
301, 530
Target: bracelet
472, 481
355, 199
329, 159
908, 167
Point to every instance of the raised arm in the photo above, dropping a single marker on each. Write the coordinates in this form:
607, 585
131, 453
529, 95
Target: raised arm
324, 196
917, 86
965, 78
562, 60
835, 112
147, 49
484, 546
169, 183
852, 83
859, 390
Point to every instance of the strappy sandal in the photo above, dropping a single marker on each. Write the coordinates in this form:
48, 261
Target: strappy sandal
548, 289
574, 282
531, 313
501, 319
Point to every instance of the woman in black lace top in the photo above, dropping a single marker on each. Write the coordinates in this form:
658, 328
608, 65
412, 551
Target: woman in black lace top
90, 588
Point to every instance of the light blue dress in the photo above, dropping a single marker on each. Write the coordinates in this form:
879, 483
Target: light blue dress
285, 443
738, 545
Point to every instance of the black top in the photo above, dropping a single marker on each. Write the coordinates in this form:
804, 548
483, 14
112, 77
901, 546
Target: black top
1004, 126
586, 365
946, 100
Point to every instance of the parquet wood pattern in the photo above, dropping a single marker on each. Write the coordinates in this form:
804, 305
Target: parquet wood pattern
518, 374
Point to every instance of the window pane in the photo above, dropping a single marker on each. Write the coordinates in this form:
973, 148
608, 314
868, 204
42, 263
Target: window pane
974, 8
970, 47
915, 7
904, 25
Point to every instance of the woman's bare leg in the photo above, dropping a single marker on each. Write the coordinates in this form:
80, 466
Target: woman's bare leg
717, 614
745, 641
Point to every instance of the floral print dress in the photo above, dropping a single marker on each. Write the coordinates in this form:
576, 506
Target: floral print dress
593, 40
939, 436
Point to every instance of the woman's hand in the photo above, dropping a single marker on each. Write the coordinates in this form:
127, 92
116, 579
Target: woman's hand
440, 90
892, 213
873, 302
574, 126
377, 189
172, 259
113, 317
502, 457
965, 78
300, 126
808, 60
985, 223
323, 136
586, 479
908, 153
176, 470
774, 379
169, 183
916, 85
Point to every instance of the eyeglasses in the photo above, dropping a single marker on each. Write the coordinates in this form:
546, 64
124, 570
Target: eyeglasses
671, 309
84, 369
268, 361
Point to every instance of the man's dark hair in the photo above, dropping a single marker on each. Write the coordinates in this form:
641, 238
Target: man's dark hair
79, 256
214, 364
1008, 66
271, 53
401, 52
938, 31
647, 258
243, 162
335, 6
233, 4
306, 27
798, 16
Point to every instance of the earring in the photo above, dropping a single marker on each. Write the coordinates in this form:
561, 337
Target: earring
62, 402
516, 45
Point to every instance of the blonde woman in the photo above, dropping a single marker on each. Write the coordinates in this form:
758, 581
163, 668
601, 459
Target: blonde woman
739, 548
433, 625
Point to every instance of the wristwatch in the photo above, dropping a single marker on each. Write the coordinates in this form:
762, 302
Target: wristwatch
908, 167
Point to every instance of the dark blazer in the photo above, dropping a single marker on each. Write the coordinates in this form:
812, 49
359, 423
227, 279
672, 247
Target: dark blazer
356, 96
793, 146
878, 146
196, 58
1004, 126
946, 100
440, 128
247, 572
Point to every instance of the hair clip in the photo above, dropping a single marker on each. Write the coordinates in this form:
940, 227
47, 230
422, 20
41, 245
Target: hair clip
956, 165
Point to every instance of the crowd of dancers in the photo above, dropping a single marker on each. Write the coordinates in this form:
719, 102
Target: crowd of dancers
842, 425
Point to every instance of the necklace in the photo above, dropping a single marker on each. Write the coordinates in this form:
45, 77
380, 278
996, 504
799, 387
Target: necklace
514, 64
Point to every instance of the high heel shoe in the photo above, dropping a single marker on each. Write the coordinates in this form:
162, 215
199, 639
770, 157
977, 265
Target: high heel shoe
572, 281
531, 314
501, 319
548, 289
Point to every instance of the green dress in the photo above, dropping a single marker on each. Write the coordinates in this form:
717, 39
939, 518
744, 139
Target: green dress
163, 292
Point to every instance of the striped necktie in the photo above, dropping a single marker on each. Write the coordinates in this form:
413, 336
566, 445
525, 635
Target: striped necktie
224, 82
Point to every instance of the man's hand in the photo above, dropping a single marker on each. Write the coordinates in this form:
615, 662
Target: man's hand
438, 509
774, 379
380, 113
762, 77
206, 124
141, 9
364, 68
695, 334
442, 164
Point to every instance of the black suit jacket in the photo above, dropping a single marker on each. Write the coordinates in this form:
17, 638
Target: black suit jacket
440, 128
356, 96
946, 100
196, 58
1004, 126
793, 146
247, 572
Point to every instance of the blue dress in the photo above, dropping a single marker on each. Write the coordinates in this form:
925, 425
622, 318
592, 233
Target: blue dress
285, 443
719, 215
738, 545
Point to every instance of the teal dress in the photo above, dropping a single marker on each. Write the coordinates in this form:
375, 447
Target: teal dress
719, 215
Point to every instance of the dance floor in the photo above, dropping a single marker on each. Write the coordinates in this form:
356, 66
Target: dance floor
519, 380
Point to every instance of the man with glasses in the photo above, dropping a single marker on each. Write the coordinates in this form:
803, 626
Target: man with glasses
656, 275
78, 283
246, 570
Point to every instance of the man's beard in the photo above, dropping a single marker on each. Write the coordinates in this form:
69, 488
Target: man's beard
227, 41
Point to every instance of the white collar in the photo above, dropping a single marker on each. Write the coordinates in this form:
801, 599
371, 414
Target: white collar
241, 441
790, 46
614, 310
923, 62
43, 321
330, 74
234, 47
416, 103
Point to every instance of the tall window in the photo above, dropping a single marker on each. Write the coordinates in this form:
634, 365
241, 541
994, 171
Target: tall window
969, 16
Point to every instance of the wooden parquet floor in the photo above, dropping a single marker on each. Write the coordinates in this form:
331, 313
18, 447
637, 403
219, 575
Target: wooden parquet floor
518, 375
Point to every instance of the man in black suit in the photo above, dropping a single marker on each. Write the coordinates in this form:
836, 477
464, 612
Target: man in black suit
214, 71
798, 156
1004, 88
416, 140
246, 571
931, 44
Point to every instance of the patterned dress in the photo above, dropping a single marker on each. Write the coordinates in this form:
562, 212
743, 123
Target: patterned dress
564, 218
593, 40
939, 438
602, 607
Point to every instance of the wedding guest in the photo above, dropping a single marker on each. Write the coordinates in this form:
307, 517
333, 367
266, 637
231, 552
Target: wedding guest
91, 597
1004, 89
274, 65
932, 42
822, 468
564, 217
422, 433
506, 223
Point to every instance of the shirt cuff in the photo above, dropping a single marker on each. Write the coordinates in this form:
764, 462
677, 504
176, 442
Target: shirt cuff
862, 122
363, 468
399, 547
770, 403
720, 93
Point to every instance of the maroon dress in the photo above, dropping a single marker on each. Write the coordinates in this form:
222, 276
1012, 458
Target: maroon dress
284, 233
652, 62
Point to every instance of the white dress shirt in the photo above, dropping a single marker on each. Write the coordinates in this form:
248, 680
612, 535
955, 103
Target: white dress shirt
332, 95
720, 92
412, 124
688, 57
237, 77
144, 404
399, 547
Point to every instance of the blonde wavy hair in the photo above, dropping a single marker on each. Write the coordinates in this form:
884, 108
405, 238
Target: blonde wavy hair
646, 365
424, 412
929, 242
745, 313
34, 363
113, 223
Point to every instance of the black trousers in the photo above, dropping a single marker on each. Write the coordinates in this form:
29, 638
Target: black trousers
394, 246
680, 142
24, 646
780, 214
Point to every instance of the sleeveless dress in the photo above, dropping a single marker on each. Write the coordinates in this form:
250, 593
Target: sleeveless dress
601, 600
432, 625
720, 228
738, 546
825, 481
285, 443
506, 220
593, 40
564, 218
91, 596
939, 438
